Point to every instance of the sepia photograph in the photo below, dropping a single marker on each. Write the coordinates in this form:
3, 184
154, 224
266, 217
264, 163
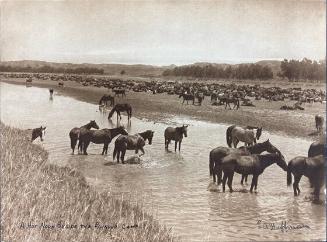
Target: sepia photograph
163, 120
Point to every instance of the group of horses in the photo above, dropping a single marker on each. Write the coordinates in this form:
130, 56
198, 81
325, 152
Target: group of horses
248, 160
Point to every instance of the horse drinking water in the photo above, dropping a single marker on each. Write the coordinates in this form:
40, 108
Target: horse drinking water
121, 108
75, 132
175, 134
131, 142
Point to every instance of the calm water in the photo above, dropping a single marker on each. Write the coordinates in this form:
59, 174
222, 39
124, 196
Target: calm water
174, 186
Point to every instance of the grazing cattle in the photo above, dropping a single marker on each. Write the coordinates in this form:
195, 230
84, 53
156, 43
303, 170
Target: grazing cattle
312, 167
131, 142
38, 132
175, 134
75, 133
319, 122
247, 165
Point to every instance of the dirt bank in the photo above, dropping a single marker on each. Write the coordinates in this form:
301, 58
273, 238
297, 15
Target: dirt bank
146, 105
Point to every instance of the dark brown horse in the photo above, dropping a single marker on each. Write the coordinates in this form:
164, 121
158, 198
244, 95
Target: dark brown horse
316, 148
103, 136
118, 92
187, 97
229, 100
105, 98
38, 132
312, 167
121, 108
249, 164
319, 122
75, 132
216, 155
131, 142
175, 134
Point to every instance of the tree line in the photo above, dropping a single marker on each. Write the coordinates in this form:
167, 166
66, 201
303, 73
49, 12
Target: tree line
49, 69
242, 71
305, 69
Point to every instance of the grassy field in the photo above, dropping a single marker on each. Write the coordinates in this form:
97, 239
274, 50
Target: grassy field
266, 114
41, 202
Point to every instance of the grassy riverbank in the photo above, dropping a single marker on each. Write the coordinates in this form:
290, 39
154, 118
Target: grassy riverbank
42, 202
298, 123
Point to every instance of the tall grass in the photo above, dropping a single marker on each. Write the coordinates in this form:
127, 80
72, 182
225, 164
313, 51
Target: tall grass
34, 192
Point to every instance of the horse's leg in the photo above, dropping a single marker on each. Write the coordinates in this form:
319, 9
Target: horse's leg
243, 177
179, 145
254, 178
296, 188
85, 145
123, 156
256, 183
224, 181
246, 179
142, 151
230, 181
175, 145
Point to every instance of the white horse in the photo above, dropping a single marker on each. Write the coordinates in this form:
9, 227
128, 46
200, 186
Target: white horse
245, 135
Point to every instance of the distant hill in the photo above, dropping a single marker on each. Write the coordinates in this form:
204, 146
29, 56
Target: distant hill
130, 70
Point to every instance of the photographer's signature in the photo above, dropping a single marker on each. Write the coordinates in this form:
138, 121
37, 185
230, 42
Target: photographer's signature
282, 226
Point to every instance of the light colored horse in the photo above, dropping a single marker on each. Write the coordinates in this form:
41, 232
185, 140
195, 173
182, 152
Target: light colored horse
245, 135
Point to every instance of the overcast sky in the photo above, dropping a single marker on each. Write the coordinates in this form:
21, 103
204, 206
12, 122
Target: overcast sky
162, 32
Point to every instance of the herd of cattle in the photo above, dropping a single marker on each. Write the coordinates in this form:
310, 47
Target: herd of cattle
218, 92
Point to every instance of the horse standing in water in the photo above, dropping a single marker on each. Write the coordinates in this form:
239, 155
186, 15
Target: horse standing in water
175, 134
103, 136
249, 164
75, 133
319, 122
131, 142
312, 167
121, 108
105, 98
216, 155
38, 132
234, 134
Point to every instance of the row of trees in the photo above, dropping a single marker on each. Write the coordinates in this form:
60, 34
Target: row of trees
243, 71
49, 69
305, 69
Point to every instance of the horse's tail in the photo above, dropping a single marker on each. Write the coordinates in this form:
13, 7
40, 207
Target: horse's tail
229, 135
289, 174
73, 140
115, 152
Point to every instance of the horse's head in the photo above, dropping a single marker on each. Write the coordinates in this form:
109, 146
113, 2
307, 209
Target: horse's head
38, 132
184, 130
280, 161
93, 124
122, 130
269, 147
259, 132
150, 137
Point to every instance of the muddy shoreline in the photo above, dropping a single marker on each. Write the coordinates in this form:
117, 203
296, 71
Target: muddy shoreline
162, 106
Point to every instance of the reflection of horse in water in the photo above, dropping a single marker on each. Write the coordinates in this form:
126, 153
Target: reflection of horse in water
105, 98
216, 155
121, 108
75, 133
103, 136
234, 134
175, 134
38, 132
249, 164
312, 167
131, 142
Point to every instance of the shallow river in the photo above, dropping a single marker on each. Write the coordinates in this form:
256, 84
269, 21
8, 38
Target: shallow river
173, 186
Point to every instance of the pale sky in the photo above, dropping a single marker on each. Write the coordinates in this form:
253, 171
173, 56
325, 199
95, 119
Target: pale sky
162, 32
